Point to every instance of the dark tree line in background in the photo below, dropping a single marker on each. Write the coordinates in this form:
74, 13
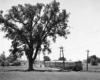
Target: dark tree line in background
11, 60
31, 26
47, 58
62, 58
93, 60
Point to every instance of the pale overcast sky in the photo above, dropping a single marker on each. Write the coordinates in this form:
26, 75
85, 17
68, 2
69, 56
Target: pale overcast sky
85, 31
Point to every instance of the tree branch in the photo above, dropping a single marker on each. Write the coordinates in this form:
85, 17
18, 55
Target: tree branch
36, 52
11, 25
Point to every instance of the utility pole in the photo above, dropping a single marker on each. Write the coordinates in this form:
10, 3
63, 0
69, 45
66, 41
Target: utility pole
87, 59
62, 50
63, 58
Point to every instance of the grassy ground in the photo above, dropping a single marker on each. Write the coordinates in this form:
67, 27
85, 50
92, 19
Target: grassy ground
19, 73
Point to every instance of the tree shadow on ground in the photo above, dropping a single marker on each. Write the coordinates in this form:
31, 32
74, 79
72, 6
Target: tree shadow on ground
35, 70
39, 70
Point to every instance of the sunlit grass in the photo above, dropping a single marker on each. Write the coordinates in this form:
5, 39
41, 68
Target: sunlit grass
19, 73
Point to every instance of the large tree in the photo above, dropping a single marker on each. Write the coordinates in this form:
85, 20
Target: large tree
29, 26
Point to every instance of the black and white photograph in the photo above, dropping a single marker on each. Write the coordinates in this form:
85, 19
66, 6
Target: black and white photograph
49, 39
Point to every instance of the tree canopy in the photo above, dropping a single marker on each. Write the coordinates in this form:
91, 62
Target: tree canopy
29, 26
47, 58
92, 57
62, 58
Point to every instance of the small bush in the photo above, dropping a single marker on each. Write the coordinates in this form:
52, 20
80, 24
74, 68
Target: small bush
94, 62
15, 63
2, 64
47, 58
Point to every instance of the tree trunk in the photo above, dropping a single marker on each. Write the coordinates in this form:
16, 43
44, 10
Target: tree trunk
31, 60
30, 64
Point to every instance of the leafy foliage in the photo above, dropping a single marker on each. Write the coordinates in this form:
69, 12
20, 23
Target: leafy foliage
3, 60
16, 63
2, 56
93, 60
92, 57
29, 26
11, 58
62, 58
47, 58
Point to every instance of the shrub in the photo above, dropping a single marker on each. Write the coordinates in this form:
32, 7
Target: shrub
62, 58
15, 63
94, 62
47, 58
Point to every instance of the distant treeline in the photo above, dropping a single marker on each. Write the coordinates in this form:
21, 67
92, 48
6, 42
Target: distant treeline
11, 60
94, 60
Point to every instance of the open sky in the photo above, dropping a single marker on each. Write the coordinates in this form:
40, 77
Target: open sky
84, 21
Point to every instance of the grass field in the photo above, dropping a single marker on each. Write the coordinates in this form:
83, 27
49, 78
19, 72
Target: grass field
19, 73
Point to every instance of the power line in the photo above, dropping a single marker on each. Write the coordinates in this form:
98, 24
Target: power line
83, 46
